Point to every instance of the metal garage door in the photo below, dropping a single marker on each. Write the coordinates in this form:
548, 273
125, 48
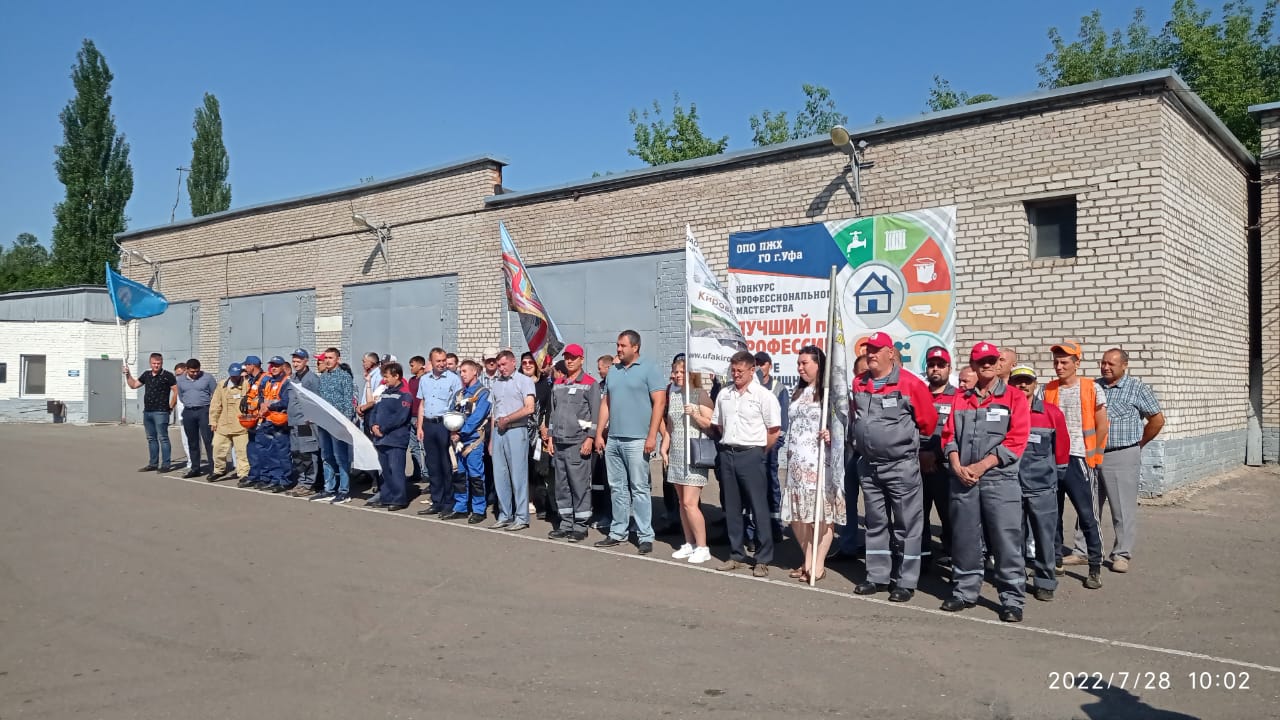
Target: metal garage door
174, 334
403, 318
591, 302
266, 325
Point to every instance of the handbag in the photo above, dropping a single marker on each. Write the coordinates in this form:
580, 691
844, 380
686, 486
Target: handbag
702, 453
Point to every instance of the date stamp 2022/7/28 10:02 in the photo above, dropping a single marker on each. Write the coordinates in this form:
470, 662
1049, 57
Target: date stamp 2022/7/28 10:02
1149, 680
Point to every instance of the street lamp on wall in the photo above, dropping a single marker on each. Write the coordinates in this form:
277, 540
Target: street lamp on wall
382, 231
844, 142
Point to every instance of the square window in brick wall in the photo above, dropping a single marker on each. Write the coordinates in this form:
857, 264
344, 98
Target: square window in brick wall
33, 374
1053, 227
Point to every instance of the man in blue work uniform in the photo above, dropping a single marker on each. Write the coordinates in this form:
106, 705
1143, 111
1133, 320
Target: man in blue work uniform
253, 375
272, 437
472, 400
436, 391
390, 423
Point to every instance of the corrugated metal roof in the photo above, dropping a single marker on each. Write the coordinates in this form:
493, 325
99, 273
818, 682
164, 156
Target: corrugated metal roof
71, 304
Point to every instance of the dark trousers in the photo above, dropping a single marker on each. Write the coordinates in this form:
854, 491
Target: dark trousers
435, 445
601, 500
1038, 509
744, 483
775, 497
1075, 485
392, 488
937, 493
273, 455
195, 423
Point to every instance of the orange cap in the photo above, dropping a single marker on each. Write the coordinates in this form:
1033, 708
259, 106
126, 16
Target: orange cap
1069, 347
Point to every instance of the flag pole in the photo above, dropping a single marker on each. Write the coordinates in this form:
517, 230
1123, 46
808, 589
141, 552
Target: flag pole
825, 423
688, 326
124, 355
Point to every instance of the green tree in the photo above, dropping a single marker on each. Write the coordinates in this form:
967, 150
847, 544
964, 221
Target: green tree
1231, 63
943, 97
658, 141
93, 164
817, 117
25, 266
207, 184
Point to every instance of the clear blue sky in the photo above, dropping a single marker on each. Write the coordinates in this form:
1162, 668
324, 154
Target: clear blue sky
323, 94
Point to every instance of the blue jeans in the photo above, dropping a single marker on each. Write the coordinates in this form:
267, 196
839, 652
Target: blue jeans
511, 474
629, 488
157, 427
337, 463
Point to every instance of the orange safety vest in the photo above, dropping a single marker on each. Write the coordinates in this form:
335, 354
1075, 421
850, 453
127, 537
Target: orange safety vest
271, 393
1088, 418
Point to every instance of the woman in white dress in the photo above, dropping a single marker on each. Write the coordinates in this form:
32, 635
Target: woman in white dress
687, 481
803, 437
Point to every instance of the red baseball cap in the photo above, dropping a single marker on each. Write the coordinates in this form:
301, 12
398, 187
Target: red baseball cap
879, 340
937, 351
573, 350
984, 350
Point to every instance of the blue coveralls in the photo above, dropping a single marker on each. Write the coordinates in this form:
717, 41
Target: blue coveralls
468, 480
392, 416
273, 440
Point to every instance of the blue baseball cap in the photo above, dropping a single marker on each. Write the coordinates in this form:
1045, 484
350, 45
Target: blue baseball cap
235, 369
276, 360
253, 360
301, 353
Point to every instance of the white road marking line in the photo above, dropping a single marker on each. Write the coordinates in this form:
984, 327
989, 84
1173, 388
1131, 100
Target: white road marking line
1020, 627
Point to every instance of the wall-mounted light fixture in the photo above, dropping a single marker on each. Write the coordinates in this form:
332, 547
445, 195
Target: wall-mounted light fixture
382, 231
843, 141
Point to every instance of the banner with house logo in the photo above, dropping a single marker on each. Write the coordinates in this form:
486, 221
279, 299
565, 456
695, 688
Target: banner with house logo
896, 274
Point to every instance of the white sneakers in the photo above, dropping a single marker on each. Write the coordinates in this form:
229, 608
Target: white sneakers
696, 556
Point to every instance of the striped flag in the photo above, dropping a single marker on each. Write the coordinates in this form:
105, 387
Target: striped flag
539, 330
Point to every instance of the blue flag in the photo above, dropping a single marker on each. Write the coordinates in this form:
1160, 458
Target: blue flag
133, 300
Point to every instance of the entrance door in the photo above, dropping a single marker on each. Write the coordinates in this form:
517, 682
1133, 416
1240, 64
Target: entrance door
104, 390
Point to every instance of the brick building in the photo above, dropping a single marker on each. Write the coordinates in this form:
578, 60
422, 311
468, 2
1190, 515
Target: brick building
60, 354
1145, 191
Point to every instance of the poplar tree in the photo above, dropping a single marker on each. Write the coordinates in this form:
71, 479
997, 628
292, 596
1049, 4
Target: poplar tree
93, 165
207, 184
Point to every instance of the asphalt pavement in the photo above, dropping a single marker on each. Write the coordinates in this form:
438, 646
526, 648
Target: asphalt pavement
137, 595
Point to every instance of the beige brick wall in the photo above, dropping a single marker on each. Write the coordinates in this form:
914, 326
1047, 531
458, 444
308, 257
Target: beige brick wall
329, 251
1269, 231
1205, 283
1112, 154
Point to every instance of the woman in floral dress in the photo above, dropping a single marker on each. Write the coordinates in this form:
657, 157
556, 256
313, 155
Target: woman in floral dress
800, 495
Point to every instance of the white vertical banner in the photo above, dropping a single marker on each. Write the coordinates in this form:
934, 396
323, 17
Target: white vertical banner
711, 323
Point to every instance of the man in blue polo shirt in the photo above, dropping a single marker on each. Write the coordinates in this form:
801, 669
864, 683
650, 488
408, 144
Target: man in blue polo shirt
632, 406
436, 391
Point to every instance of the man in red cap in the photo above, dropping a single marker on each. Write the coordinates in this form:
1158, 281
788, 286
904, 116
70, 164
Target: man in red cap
983, 440
575, 408
891, 411
933, 467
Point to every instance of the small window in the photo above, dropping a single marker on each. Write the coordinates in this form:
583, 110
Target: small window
4, 373
33, 374
1053, 228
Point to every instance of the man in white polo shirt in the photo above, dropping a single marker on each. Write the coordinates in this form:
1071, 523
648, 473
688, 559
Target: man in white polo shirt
748, 419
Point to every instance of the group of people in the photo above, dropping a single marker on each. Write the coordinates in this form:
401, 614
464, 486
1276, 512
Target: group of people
997, 456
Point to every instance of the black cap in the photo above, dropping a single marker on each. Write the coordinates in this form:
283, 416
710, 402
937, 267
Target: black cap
762, 357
